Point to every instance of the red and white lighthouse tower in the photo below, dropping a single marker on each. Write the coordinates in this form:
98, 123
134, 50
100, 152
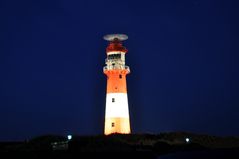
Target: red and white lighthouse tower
117, 111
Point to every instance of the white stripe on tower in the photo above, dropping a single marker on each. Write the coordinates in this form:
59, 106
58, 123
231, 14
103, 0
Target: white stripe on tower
117, 105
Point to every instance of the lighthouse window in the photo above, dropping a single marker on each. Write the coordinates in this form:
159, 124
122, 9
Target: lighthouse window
112, 124
114, 56
113, 100
118, 56
110, 57
120, 76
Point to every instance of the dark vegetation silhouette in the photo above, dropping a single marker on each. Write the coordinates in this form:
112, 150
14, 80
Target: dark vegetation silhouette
117, 145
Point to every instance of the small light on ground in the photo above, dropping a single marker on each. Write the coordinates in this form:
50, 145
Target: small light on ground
69, 137
187, 140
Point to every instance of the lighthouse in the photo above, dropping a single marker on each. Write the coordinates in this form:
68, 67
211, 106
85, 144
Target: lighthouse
116, 111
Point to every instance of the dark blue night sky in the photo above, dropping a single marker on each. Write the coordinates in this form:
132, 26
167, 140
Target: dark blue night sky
183, 55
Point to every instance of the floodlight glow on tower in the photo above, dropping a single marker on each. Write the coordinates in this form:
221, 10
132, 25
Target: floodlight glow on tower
116, 111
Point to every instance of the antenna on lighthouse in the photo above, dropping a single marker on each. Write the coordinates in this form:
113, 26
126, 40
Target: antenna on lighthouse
113, 37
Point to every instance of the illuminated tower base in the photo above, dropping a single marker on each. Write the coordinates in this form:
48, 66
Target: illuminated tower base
116, 112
